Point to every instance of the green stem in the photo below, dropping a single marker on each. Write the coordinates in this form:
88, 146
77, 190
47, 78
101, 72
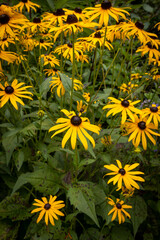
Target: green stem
73, 70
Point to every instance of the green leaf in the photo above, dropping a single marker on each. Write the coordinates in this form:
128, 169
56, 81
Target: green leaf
45, 86
51, 4
19, 160
121, 233
8, 230
147, 8
86, 162
138, 212
43, 180
81, 196
66, 81
9, 143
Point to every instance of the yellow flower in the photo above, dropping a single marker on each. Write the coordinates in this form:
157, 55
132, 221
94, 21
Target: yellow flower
8, 56
67, 51
128, 87
27, 42
4, 43
48, 208
124, 106
81, 108
42, 43
51, 71
13, 93
136, 29
78, 12
37, 25
124, 174
106, 141
153, 113
158, 24
50, 59
87, 96
40, 113
137, 150
55, 18
127, 192
104, 10
26, 3
151, 50
119, 209
9, 21
57, 82
75, 127
139, 129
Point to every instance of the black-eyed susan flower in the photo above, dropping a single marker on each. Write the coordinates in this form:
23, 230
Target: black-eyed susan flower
126, 107
9, 21
119, 210
128, 87
26, 4
14, 92
136, 29
95, 39
127, 192
87, 96
151, 50
124, 174
57, 17
37, 25
57, 82
104, 10
51, 71
78, 12
10, 57
75, 126
81, 108
49, 59
67, 51
42, 43
153, 113
138, 131
106, 140
48, 208
5, 42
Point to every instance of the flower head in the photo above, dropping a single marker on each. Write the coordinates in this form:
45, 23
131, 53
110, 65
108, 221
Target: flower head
124, 106
48, 208
138, 131
153, 113
26, 3
13, 93
75, 126
119, 209
124, 174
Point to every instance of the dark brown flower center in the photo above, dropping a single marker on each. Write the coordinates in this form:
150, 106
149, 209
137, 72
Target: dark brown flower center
55, 69
106, 5
41, 41
4, 19
142, 125
9, 89
122, 171
36, 20
70, 45
81, 110
118, 205
76, 120
59, 12
139, 25
72, 19
47, 206
4, 39
24, 1
125, 103
154, 109
97, 35
78, 10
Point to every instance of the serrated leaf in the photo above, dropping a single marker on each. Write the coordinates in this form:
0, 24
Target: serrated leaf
43, 180
81, 196
138, 212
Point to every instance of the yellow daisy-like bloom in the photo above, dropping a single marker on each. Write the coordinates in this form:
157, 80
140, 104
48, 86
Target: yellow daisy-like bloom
136, 29
48, 208
151, 50
76, 126
97, 38
37, 25
139, 129
87, 96
26, 3
50, 59
106, 141
27, 42
128, 87
135, 76
51, 71
42, 43
115, 32
9, 21
81, 108
13, 93
127, 192
4, 42
124, 106
78, 12
60, 88
153, 114
119, 209
124, 174
8, 56
55, 18
104, 10
67, 51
